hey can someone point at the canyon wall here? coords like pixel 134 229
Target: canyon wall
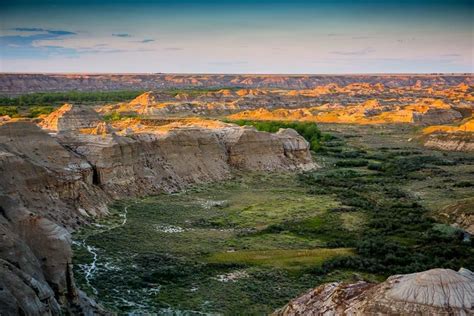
pixel 51 183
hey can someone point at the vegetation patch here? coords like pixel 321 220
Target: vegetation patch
pixel 281 258
pixel 308 130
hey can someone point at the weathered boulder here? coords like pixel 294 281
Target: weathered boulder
pixel 432 292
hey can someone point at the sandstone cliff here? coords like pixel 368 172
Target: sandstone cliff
pixel 432 292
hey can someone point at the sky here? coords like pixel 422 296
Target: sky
pixel 278 36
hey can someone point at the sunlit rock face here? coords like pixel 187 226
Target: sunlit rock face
pixel 70 118
pixel 424 112
pixel 432 292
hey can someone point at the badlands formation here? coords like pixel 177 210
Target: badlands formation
pixel 424 112
pixel 61 175
pixel 11 83
pixel 328 103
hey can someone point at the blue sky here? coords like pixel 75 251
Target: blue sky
pixel 237 36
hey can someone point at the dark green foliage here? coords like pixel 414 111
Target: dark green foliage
pixel 352 163
pixel 464 184
pixel 36 111
pixel 57 98
pixel 115 116
pixel 309 131
pixel 11 111
pixel 399 237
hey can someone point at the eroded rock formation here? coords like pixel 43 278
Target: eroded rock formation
pixel 451 138
pixel 432 292
pixel 70 118
pixel 53 182
pixel 423 112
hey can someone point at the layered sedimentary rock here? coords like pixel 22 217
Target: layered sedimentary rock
pixel 45 191
pixel 149 159
pixel 451 138
pixel 23 83
pixel 423 112
pixel 432 292
pixel 70 118
pixel 53 182
pixel 360 102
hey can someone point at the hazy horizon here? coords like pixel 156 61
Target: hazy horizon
pixel 237 37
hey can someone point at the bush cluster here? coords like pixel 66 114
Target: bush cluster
pixel 308 130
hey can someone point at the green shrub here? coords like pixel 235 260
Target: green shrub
pixel 57 98
pixel 308 130
pixel 36 111
pixel 8 110
pixel 115 116
pixel 352 163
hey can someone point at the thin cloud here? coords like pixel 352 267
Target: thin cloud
pixel 450 55
pixel 37 29
pixel 361 52
pixel 148 40
pixel 60 32
pixel 121 35
pixel 362 37
pixel 28 29
pixel 173 48
pixel 228 63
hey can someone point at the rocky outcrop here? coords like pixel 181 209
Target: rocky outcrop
pixel 461 214
pixel 45 191
pixel 450 138
pixel 71 118
pixel 432 292
pixel 153 159
pixel 451 142
pixel 285 149
pixel 50 183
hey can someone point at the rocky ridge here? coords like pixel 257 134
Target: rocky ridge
pixel 356 101
pixel 424 112
pixel 11 83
